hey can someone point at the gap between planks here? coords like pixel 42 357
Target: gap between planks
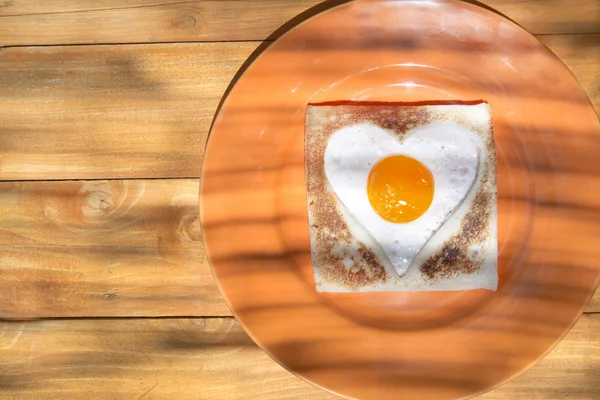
pixel 67 45
pixel 258 41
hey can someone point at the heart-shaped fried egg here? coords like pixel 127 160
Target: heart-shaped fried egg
pixel 402 192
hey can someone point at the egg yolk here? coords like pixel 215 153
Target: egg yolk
pixel 400 188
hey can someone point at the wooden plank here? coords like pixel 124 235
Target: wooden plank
pixel 23 7
pixel 104 248
pixel 39 281
pixel 107 248
pixel 137 111
pixel 215 359
pixel 171 22
pixel 150 359
pixel 148 214
pixel 64 111
pixel 147 21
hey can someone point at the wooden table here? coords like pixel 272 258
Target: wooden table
pixel 105 289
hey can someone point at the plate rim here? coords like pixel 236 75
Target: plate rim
pixel 254 58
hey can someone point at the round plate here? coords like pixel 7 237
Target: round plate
pixel 442 345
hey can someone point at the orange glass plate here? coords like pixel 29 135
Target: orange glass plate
pixel 431 345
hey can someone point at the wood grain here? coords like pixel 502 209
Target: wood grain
pixel 215 359
pixel 144 21
pixel 107 248
pixel 133 248
pixel 39 281
pixel 148 214
pixel 137 111
pixel 104 248
pixel 150 359
pixel 161 98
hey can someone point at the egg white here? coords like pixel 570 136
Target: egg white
pixel 450 152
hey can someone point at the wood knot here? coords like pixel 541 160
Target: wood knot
pixel 189 228
pixel 98 201
pixel 184 22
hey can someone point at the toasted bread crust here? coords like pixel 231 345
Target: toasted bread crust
pixel 341 260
